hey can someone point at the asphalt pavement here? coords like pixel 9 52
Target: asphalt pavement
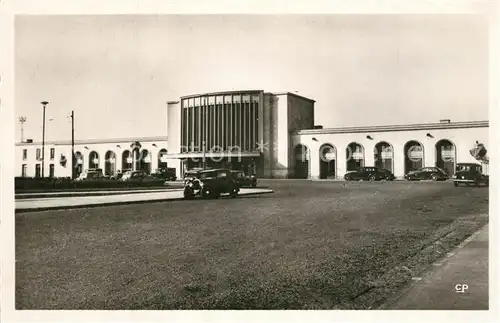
pixel 459 281
pixel 309 245
pixel 52 203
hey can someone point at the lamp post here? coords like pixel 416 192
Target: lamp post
pixel 205 131
pixel 22 120
pixel 135 147
pixel 204 155
pixel 73 169
pixel 44 104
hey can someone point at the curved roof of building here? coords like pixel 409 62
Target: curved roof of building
pixel 221 93
pixel 243 92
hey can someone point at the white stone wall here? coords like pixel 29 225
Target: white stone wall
pixel 463 138
pixel 101 148
pixel 281 138
pixel 287 113
pixel 174 127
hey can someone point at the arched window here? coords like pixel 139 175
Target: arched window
pixel 110 163
pixel 79 163
pixel 126 161
pixel 93 160
pixel 446 156
pixel 355 156
pixel 414 155
pixel 145 161
pixel 327 161
pixel 384 156
pixel 162 158
pixel 301 161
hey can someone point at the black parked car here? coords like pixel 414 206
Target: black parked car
pixel 369 174
pixel 192 173
pixel 243 179
pixel 426 173
pixel 166 173
pixel 139 176
pixel 211 183
pixel 470 174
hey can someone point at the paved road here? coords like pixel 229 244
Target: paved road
pixel 90 192
pixel 438 290
pixel 75 201
pixel 310 245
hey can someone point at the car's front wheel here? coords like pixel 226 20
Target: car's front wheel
pixel 188 194
pixel 372 178
pixel 347 177
pixel 207 192
pixel 434 177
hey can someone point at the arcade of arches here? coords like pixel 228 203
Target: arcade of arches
pixel 139 159
pixel 383 157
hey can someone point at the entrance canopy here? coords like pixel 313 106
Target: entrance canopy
pixel 213 155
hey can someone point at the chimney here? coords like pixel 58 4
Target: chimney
pixel 29 141
pixel 318 127
pixel 444 121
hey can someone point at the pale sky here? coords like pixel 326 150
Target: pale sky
pixel 117 72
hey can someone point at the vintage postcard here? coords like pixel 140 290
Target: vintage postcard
pixel 185 160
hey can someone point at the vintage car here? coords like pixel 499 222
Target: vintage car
pixel 91 174
pixel 166 173
pixel 470 174
pixel 136 176
pixel 427 173
pixel 243 179
pixel 370 174
pixel 192 173
pixel 211 184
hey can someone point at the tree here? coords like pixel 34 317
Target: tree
pixel 135 145
pixel 480 153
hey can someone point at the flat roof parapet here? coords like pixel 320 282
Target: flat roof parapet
pixel 402 127
pixel 94 141
pixel 292 94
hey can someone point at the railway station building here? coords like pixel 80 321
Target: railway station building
pixel 110 155
pixel 272 135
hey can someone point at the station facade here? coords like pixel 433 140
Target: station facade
pixel 271 135
pixel 110 155
pixel 330 153
pixel 238 130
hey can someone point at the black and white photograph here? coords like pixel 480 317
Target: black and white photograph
pixel 241 161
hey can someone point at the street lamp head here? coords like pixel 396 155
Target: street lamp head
pixel 44 103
